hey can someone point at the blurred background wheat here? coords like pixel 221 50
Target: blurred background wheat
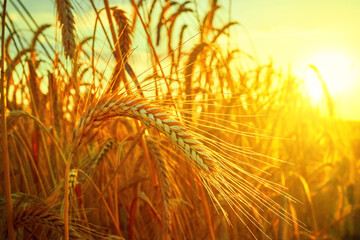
pixel 146 120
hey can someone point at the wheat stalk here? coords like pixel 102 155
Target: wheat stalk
pixel 37 34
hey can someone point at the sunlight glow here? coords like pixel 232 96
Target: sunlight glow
pixel 336 70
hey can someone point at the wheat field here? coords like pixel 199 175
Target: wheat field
pixel 125 123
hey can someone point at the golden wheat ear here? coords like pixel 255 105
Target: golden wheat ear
pixel 124 31
pixel 123 105
pixel 67 24
pixel 31 211
pixel 163 175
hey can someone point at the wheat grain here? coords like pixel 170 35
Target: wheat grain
pixel 73 181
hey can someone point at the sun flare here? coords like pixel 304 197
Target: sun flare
pixel 335 69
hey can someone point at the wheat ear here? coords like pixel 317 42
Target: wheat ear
pixel 124 31
pixel 31 211
pixel 66 19
pixel 160 166
pixel 90 164
pixel 123 105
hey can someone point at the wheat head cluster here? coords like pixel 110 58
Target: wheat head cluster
pixel 101 145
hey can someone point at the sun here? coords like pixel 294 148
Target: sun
pixel 335 68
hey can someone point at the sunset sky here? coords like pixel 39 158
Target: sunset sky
pixel 293 34
pixel 298 33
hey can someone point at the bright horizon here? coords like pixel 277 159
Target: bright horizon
pixel 321 33
pixel 293 34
